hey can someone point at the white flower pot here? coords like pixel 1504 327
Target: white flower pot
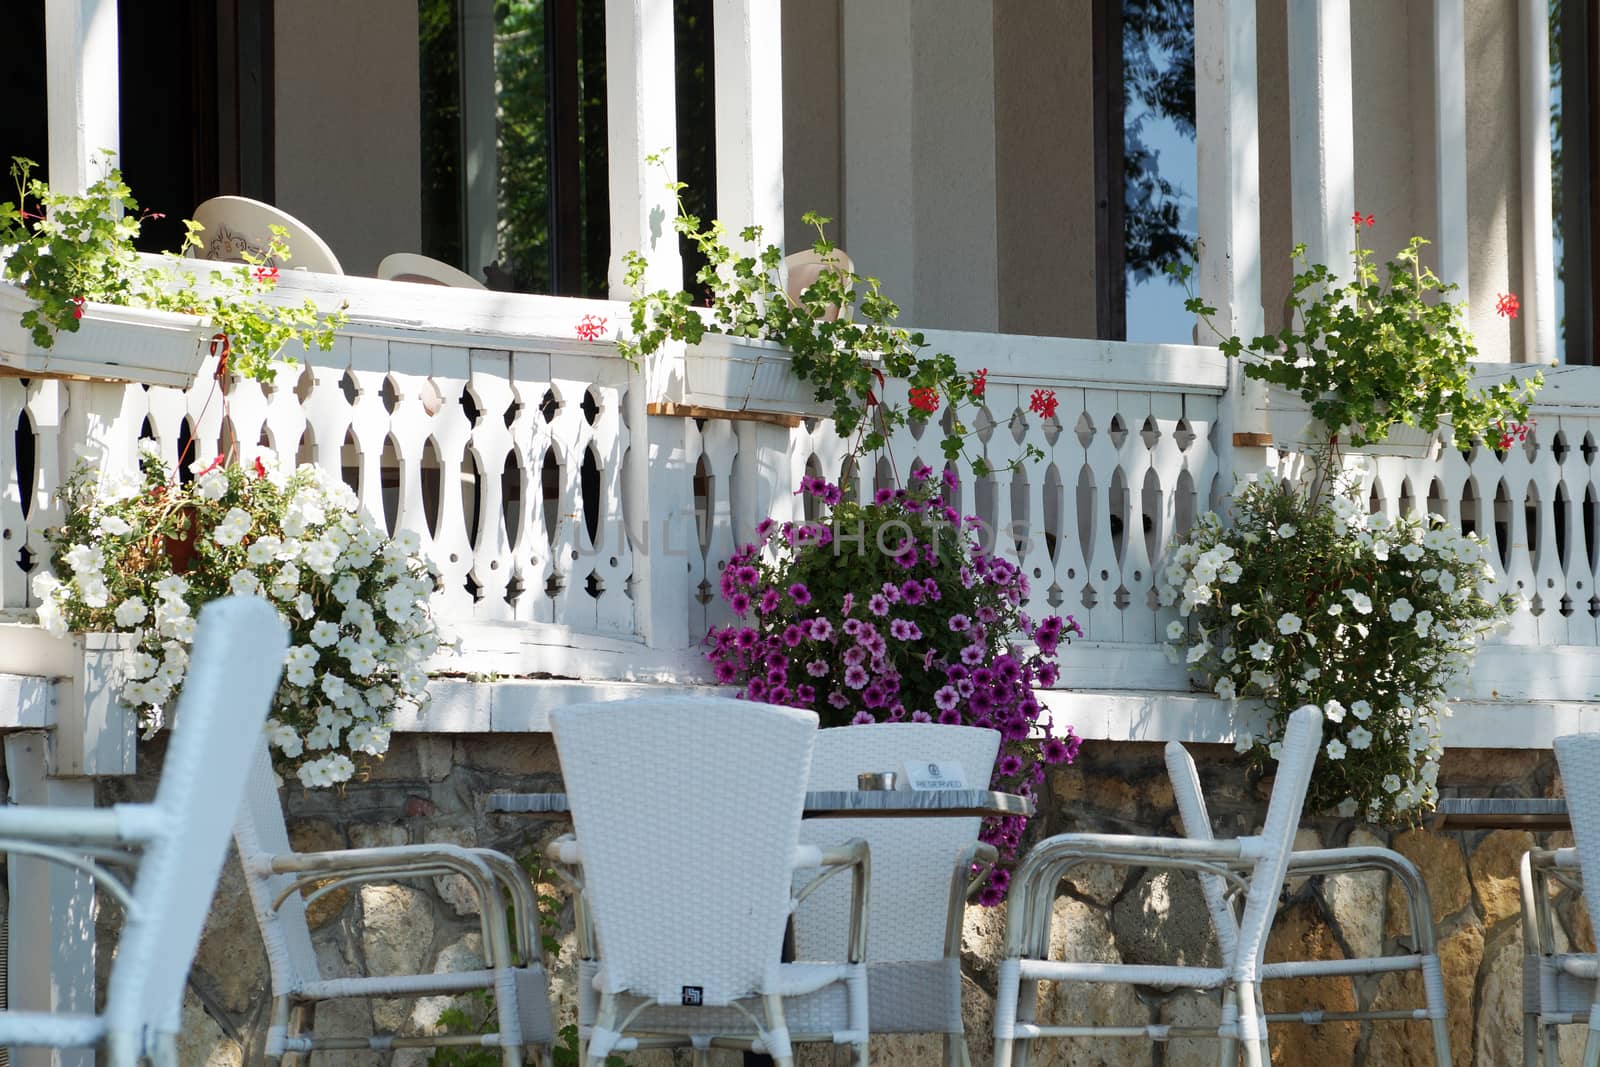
pixel 112 343
pixel 1294 430
pixel 735 374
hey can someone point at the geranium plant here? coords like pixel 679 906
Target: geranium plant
pixel 65 250
pixel 842 332
pixel 1301 599
pixel 140 555
pixel 893 611
pixel 1383 347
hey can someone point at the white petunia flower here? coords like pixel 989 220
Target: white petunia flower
pixel 115 526
pixel 1261 650
pixel 1359 600
pixel 1401 610
pixel 1175 629
pixel 1361 710
pixel 1335 749
pixel 131 612
pixel 1333 711
pixel 1287 530
pixel 1360 737
pixel 1391 783
pixel 1288 623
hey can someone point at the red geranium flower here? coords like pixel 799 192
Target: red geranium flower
pixel 265 274
pixel 77 306
pixel 591 328
pixel 1043 402
pixel 980 382
pixel 925 399
pixel 1507 305
pixel 261 468
pixel 1358 219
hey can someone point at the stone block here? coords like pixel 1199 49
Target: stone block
pixel 455 889
pixel 1100 883
pixel 1356 902
pixel 1488 766
pixel 345 1018
pixel 1578 922
pixel 201 1042
pixel 983 932
pixel 1305 839
pixel 1162 919
pixel 231 963
pixel 1302 932
pixel 1496 874
pixel 1444 871
pixel 1401 1044
pixel 396 938
pixel 977 1015
pixel 517 755
pixel 378 835
pixel 1080 932
pixel 1191 1007
pixel 463 955
pixel 1498 1034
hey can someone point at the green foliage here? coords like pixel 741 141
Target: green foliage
pixel 845 358
pixel 1307 599
pixel 65 250
pixel 1385 347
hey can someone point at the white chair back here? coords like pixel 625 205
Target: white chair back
pixel 687 817
pixel 233 676
pixel 259 834
pixel 232 225
pixel 412 267
pixel 912 859
pixel 1579 758
pixel 1302 740
pixel 801 269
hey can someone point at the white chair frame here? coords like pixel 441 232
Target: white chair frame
pixel 276 877
pixel 176 843
pixel 1558 988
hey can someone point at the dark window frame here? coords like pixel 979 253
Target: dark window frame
pixel 1580 134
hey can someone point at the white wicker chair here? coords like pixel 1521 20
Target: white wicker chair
pixel 1425 960
pixel 180 838
pixel 921 875
pixel 276 875
pixel 1579 757
pixel 686 818
pixel 1558 988
pixel 1257 862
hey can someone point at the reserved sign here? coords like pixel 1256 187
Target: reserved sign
pixel 935 774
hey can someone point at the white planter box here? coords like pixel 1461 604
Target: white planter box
pixel 111 343
pixel 1294 430
pixel 734 374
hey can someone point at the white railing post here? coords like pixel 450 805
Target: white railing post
pixel 1230 212
pixel 1538 252
pixel 1450 142
pixel 80 89
pixel 749 78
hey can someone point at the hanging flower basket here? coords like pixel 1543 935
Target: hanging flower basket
pixel 112 343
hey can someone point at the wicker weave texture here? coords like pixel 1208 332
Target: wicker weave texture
pixel 259 834
pixel 1579 758
pixel 687 813
pixel 913 859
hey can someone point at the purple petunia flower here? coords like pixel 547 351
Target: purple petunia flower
pixel 778 694
pixel 1048 674
pixel 849 603
pixel 726 673
pixel 986 614
pixel 740 603
pixel 1009 764
pixel 852 626
pixel 838 699
pixel 1056 750
pixel 950 717
pixel 747 638
pixel 863 718
pixel 805 694
pixel 817 668
pixel 800 594
pixel 873 696
pixel 981 702
pixel 756 689
pixel 821 629
pixel 769 601
pixel 891 591
pixel 973 654
pixel 905 630
pixel 946 697
pixel 879 604
pixel 921 716
pixel 855 676
pixel 911 592
pixel 792 635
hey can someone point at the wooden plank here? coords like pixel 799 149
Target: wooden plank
pixel 694 411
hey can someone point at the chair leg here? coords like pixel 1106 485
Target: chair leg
pixel 1252 1031
pixel 1228 1052
pixel 1441 1042
pixel 122 1049
pixel 1591 1049
pixel 164 1051
pixel 778 1025
pixel 955 1051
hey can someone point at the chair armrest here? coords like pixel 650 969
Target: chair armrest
pixel 70 826
pixel 1033 884
pixel 854 856
pixel 352 866
pixel 963 883
pixel 564 853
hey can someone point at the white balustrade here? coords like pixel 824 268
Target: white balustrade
pixel 507 457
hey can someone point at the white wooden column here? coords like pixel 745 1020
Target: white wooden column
pixel 1538 252
pixel 81 89
pixel 1229 194
pixel 641 120
pixel 749 79
pixel 1450 142
pixel 480 139
pixel 1322 131
pixel 51 915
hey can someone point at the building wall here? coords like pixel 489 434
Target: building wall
pixel 426 790
pixel 349 156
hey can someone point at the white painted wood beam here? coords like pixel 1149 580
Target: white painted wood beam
pixel 480 135
pixel 51 909
pixel 1450 142
pixel 1322 130
pixel 749 77
pixel 1538 250
pixel 1229 193
pixel 81 89
pixel 641 118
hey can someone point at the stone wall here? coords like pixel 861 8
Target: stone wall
pixel 427 790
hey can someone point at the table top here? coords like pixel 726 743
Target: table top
pixel 1501 813
pixel 826 803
